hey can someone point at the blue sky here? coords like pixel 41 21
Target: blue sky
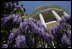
pixel 31 5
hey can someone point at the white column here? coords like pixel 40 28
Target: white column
pixel 50 22
pixel 42 20
pixel 65 13
pixel 56 15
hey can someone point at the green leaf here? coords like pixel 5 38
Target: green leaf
pixel 4 31
pixel 15 28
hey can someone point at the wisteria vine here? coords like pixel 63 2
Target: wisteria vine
pixel 22 31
